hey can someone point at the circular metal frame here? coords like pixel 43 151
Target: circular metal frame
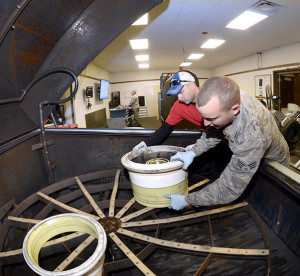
pixel 56 225
pixel 99 196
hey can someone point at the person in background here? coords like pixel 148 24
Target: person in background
pixel 252 135
pixel 186 85
pixel 134 104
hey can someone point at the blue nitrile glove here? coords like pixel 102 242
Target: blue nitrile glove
pixel 185 157
pixel 177 201
pixel 189 147
pixel 140 145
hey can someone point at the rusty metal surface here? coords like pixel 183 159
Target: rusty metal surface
pixel 6 9
pixel 14 122
pixel 277 206
pixel 46 35
pixel 92 31
pixel 97 150
pixel 22 171
pixel 50 34
pixel 291 185
pixel 37 30
pixel 9 24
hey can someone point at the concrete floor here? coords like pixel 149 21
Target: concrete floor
pixel 150 123
pixel 147 123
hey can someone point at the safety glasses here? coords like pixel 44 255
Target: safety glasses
pixel 176 82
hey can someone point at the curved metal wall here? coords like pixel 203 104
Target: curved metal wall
pixel 35 36
pixel 41 35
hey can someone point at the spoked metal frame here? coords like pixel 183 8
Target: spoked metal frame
pixel 99 195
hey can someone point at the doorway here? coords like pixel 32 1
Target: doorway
pixel 287 87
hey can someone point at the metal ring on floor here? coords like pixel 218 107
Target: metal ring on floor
pixel 65 223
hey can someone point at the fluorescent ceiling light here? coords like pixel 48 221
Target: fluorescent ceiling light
pixel 246 20
pixel 212 43
pixel 185 64
pixel 142 20
pixel 142 57
pixel 195 56
pixel 144 65
pixel 139 44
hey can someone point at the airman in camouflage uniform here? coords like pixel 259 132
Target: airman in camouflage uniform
pixel 252 135
pixel 134 104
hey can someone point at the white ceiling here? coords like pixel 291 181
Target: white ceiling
pixel 175 25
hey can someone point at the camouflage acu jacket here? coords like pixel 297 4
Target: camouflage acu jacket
pixel 134 102
pixel 253 135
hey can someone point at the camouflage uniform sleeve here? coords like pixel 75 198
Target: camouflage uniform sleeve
pixel 131 102
pixel 209 139
pixel 234 179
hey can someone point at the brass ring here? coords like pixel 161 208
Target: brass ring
pixel 157 161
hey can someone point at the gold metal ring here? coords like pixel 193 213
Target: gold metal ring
pixel 157 161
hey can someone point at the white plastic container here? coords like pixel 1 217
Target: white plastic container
pixel 152 175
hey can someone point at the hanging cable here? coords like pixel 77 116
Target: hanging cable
pixel 52 102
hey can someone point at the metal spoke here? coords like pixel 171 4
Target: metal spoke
pixel 135 260
pixel 195 247
pixel 66 207
pixel 119 222
pixel 11 253
pixel 47 244
pixel 198 184
pixel 204 265
pixel 75 254
pixel 136 214
pixel 125 208
pixel 25 220
pixel 90 199
pixel 111 211
pixel 182 218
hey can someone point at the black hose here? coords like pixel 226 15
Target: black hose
pixel 43 135
pixel 50 72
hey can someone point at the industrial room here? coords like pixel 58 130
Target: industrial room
pixel 39 160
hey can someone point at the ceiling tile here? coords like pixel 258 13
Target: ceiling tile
pixel 175 25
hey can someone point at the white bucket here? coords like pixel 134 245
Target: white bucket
pixel 151 181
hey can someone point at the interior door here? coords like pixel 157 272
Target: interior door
pixel 286 90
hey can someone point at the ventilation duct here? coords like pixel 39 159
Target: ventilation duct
pixel 266 8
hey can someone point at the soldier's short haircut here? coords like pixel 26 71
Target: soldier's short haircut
pixel 225 89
